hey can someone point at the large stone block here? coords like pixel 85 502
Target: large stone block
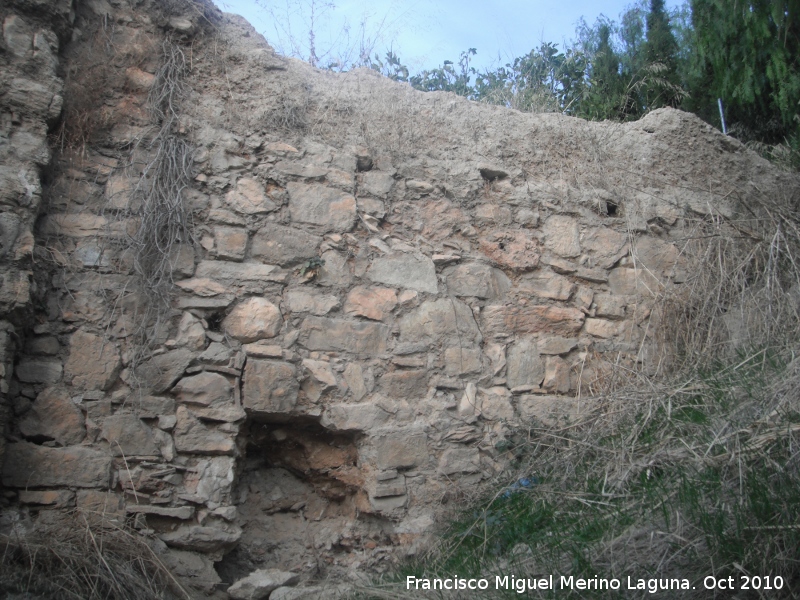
pixel 401 449
pixel 191 435
pixel 162 371
pixel 54 416
pixel 372 303
pixel 522 319
pixel 270 387
pixel 548 285
pixel 561 236
pixel 605 246
pixel 200 538
pixel 437 319
pixel 299 301
pixel 318 205
pixel 513 249
pixel 406 270
pixel 94 362
pixel 128 436
pixel 39 370
pixel 409 385
pixel 253 319
pixel 457 461
pixel 284 246
pixel 478 280
pixel 525 366
pixel 260 584
pixel 354 417
pixel 319 333
pixel 29 465
pixel 231 272
pixel 249 198
pixel 230 242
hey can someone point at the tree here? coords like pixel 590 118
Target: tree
pixel 748 54
pixel 604 96
pixel 659 74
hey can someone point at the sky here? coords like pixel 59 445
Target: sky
pixel 423 33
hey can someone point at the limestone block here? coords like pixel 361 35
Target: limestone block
pixel 561 236
pixel 260 584
pixel 226 217
pixel 391 487
pixel 409 385
pixel 204 389
pixel 497 356
pixel 602 328
pixel 372 206
pixel 298 301
pixel 376 183
pixel 38 100
pixel 401 449
pixel 249 198
pixel 658 258
pixel 406 270
pixel 527 217
pixel 192 436
pixel 511 248
pixel 354 377
pixel 320 333
pixel 372 303
pixel 253 319
pixel 457 461
pixel 212 480
pixel 441 318
pixel 230 242
pixel 270 387
pixel 29 465
pixel 335 270
pixel 551 410
pixel 128 436
pixel 162 371
pixel 232 272
pixel 460 361
pixel 54 416
pixel 94 362
pixel 202 286
pixel 495 404
pixel 609 305
pixel 547 285
pixel 39 370
pixel 478 280
pixel 318 205
pixel 354 417
pixel 554 344
pixel 284 246
pixel 201 538
pixel 18 36
pixel 171 512
pixel 556 375
pixel 301 170
pixel 623 282
pixel 493 213
pixel 522 319
pixel 321 378
pixel 47 345
pixel 181 260
pixel 74 225
pixel 525 366
pixel 191 333
pixel 605 246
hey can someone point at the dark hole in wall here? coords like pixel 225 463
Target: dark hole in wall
pixel 363 163
pixel 611 209
pixel 493 174
pixel 215 321
pixel 296 500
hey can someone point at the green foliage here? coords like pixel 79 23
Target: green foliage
pixel 748 54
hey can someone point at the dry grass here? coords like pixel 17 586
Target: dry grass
pixel 77 557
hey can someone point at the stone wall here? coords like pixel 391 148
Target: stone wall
pixel 383 288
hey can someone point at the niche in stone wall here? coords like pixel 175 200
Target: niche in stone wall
pixel 300 501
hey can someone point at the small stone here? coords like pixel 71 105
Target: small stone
pixel 556 375
pixel 457 461
pixel 52 498
pixel 128 436
pixel 372 303
pixel 319 333
pixel 411 271
pixel 495 404
pixel 204 389
pixel 605 246
pixel 236 273
pixel 548 285
pixel 263 350
pixel 230 242
pixel 299 301
pixel 253 319
pixel 321 380
pixel 401 449
pixel 191 435
pixel 269 387
pixel 406 384
pixel 203 539
pixel 260 584
pixel 477 280
pixel 54 416
pixel 177 512
pixel 285 246
pixel 525 366
pixel 354 377
pixel 609 305
pixel 319 205
pixel 602 328
pixel 249 198
pixel 93 363
pixel 191 332
pixel 32 370
pixel 202 286
pixel 460 361
pixel 28 465
pixel 562 236
pixel 163 370
pixel 354 417
pixel 556 345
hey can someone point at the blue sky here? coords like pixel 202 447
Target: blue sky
pixel 424 32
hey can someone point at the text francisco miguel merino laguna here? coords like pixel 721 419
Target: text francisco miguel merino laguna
pixel 523 584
